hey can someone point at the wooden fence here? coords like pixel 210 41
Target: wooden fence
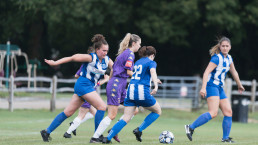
pixel 172 88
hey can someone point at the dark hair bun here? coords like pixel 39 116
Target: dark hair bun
pixel 97 38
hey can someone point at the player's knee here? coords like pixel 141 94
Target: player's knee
pixel 112 116
pixel 213 114
pixel 102 107
pixel 228 113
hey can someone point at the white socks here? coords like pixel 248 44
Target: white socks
pixel 76 122
pixel 102 127
pixel 74 125
pixel 87 116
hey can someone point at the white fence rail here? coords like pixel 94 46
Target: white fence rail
pixel 174 92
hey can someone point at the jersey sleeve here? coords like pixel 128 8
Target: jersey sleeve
pixel 153 64
pixel 129 63
pixel 92 56
pixel 79 70
pixel 215 59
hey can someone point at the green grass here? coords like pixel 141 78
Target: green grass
pixel 23 126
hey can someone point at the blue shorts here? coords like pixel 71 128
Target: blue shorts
pixel 144 103
pixel 83 86
pixel 215 91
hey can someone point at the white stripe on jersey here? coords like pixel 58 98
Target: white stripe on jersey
pixel 141 92
pixel 93 71
pixel 218 70
pixel 131 92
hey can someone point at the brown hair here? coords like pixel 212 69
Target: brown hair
pixel 127 42
pixel 146 51
pixel 98 40
pixel 215 49
pixel 90 50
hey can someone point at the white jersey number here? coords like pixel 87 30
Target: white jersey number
pixel 137 71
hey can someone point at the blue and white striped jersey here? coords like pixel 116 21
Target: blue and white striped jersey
pixel 95 70
pixel 217 76
pixel 139 87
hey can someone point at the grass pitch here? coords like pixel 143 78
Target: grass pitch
pixel 22 127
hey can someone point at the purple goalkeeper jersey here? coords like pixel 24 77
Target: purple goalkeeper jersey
pixel 123 62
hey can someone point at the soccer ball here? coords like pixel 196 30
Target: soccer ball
pixel 166 137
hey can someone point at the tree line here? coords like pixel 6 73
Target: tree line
pixel 182 31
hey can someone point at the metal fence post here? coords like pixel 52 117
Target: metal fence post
pixel 253 96
pixel 53 99
pixel 11 93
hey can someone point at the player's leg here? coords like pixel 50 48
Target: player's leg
pixel 74 104
pixel 83 110
pixel 153 116
pixel 213 106
pixel 128 113
pixel 90 114
pixel 155 113
pixel 95 100
pixel 227 120
pixel 112 112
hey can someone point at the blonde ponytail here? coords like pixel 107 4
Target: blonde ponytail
pixel 215 50
pixel 124 44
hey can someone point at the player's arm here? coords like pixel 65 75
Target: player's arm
pixel 110 66
pixel 154 79
pixel 103 81
pixel 129 72
pixel 236 78
pixel 211 66
pixel 75 57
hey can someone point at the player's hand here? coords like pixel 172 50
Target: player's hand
pixel 241 89
pixel 51 62
pixel 159 81
pixel 203 92
pixel 154 91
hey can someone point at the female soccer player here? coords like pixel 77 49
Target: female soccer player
pixel 212 88
pixel 116 87
pixel 139 94
pixel 94 67
pixel 86 111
